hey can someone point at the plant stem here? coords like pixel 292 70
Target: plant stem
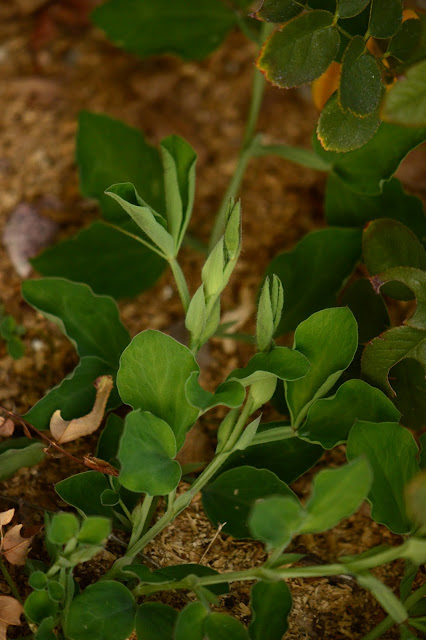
pixel 140 514
pixel 9 580
pixel 389 622
pixel 180 283
pixel 246 151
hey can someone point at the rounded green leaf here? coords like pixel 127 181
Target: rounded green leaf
pixel 301 51
pixel 330 420
pixel 38 606
pixel 38 580
pixel 271 604
pixel 62 528
pixel 219 626
pixel 405 103
pixel 351 8
pixel 405 44
pixel 360 87
pixel 279 11
pixel 104 611
pixel 94 530
pixel 110 498
pixel 231 496
pixel 147 449
pixel 84 491
pixel 391 452
pixel 340 130
pixel 336 494
pixel 280 362
pixel 329 340
pixel 189 625
pixel 155 621
pixel 152 377
pixel 275 520
pixel 385 18
pixel 56 591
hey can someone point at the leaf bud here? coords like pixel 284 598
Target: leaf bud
pixel 212 273
pixel 233 229
pixel 269 311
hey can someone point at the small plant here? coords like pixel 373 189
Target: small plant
pixel 11 332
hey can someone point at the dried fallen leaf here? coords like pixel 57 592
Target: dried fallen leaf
pixel 6 517
pixel 68 430
pixel 324 86
pixel 10 611
pixel 7 427
pixel 15 547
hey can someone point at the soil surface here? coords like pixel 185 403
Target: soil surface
pixel 52 65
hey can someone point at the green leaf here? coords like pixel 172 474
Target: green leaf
pixel 405 103
pixel 385 18
pixel 106 259
pixel 406 41
pixel 94 530
pixel 110 438
pixel 104 611
pixel 152 376
pixel 328 339
pixel 181 571
pixel 75 395
pixel 330 420
pixel 155 621
pixel 109 151
pixel 230 497
pixel 187 28
pixel 415 497
pixel 391 452
pixel 271 604
pixel 331 252
pixel 153 226
pixel 179 160
pixel 39 606
pixel 147 449
pixel 282 363
pixel 387 243
pixel 279 11
pixel 336 494
pixel 387 350
pixel 286 458
pixel 383 595
pixel 301 51
pixel 350 8
pixel 62 528
pixel 45 630
pixel 360 87
pixel 189 625
pixel 366 169
pixel 56 591
pixel 368 308
pixel 83 491
pixel 228 394
pixel 275 520
pixel 340 130
pixel 415 280
pixel 219 626
pixel 409 384
pixel 12 459
pixel 38 580
pixel 90 321
pixel 15 347
pixel 347 208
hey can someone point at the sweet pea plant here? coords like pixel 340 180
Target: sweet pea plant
pixel 328 387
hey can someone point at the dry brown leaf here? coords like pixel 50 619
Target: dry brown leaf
pixel 15 547
pixel 10 611
pixel 68 430
pixel 6 517
pixel 324 86
pixel 7 427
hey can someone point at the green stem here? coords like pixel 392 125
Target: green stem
pixel 180 283
pixel 9 580
pixel 273 435
pixel 297 155
pixel 134 237
pixel 140 514
pixel 246 152
pixel 389 622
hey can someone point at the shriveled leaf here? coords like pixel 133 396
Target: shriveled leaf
pixel 152 377
pixel 391 452
pixel 336 494
pixel 7 427
pixel 14 546
pixel 333 253
pixel 269 621
pixel 69 430
pixel 351 8
pixel 405 103
pixel 382 353
pixel 330 420
pixel 229 498
pixel 328 339
pixel 106 259
pixel 385 18
pixel 415 280
pixel 15 457
pixel 10 612
pixel 360 87
pixel 301 51
pixel 366 169
pixel 278 11
pixel 347 208
pixel 6 517
pixel 324 86
pixel 147 449
pixel 340 130
pixel 187 28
